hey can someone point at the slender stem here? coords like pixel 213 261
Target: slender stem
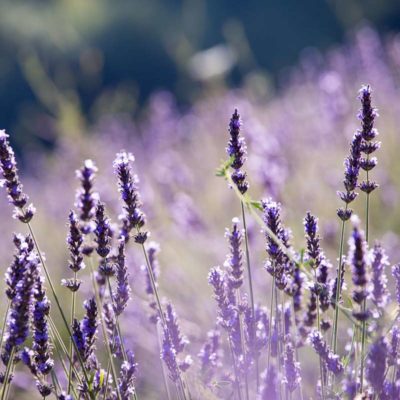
pixel 321 368
pixel 364 304
pixel 246 381
pixel 237 379
pixel 91 394
pixel 162 365
pixel 7 374
pixel 270 321
pixel 3 328
pixel 71 346
pixel 246 241
pixel 338 286
pixel 104 329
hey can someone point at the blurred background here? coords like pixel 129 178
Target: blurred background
pixel 65 63
pixel 84 79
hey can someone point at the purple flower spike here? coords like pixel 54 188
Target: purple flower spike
pixel 11 181
pixel 396 275
pixel 234 260
pixel 376 365
pixel 380 293
pixel 18 320
pixel 86 198
pixel 237 149
pixel 292 367
pixel 357 259
pixel 331 360
pixel 133 217
pixel 41 346
pixel 123 291
pixel 269 389
pixel 126 381
pixel 168 355
pixel 102 232
pixel 210 355
pixel 178 341
pixel 75 241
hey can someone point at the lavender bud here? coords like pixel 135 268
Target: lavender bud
pixel 357 258
pixel 237 149
pixel 41 346
pixel 72 284
pixel 102 232
pixel 367 114
pixel 234 260
pixel 379 293
pixel 178 341
pixel 330 360
pixel 122 293
pixel 292 368
pixel 376 365
pixel 86 199
pixel 44 389
pixel 75 241
pixel 168 355
pixel 209 355
pixel 11 180
pixel 126 381
pixel 127 184
pixel 89 327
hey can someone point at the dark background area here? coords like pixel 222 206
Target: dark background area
pixel 100 56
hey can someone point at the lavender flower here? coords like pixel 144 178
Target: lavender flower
pixel 122 293
pixel 133 217
pixel 314 251
pixel 269 389
pixel 89 326
pixel 396 275
pixel 178 341
pixel 14 273
pixel 367 116
pixel 127 377
pixel 43 388
pixel 234 260
pixel 41 346
pixel 102 232
pixel 209 355
pixel 237 149
pixel 75 241
pixel 357 258
pixel 86 198
pixel 18 320
pixel 292 367
pixel 11 181
pixel 153 249
pixel 379 293
pixel 330 360
pixel 352 169
pixel 168 355
pixel 111 326
pixel 394 346
pixel 376 365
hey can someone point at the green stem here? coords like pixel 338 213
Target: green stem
pixel 3 328
pixel 71 346
pixel 91 394
pixel 246 241
pixel 338 286
pixel 270 321
pixel 7 374
pixel 104 330
pixel 321 368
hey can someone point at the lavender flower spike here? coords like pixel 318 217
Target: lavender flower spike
pixel 41 346
pixel 123 292
pixel 178 341
pixel 102 232
pixel 18 321
pixel 133 216
pixel 86 198
pixel 376 365
pixel 396 275
pixel 237 149
pixel 168 355
pixel 330 359
pixel 292 367
pixel 11 181
pixel 380 293
pixel 127 377
pixel 357 259
pixel 234 260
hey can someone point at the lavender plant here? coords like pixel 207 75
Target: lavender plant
pixel 246 349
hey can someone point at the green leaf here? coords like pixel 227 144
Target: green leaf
pixel 223 168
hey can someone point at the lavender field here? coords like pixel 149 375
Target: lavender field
pixel 243 247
